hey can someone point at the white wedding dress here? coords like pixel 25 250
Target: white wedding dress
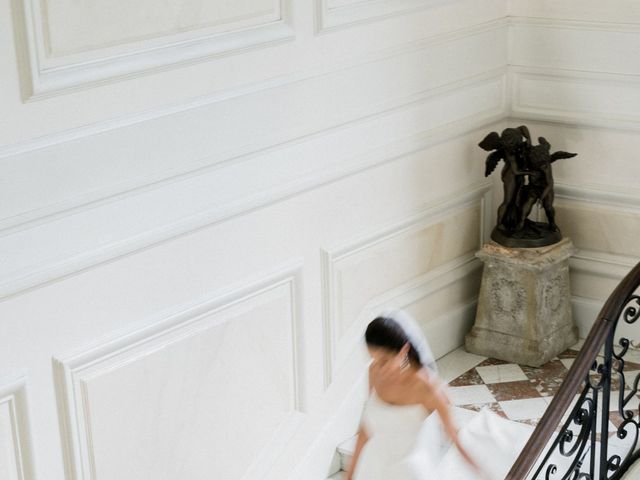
pixel 406 443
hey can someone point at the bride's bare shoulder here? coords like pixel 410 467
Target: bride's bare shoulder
pixel 430 386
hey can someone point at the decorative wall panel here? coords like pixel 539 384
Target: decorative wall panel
pixel 337 13
pixel 428 251
pixel 576 98
pixel 41 252
pixel 179 399
pixel 16 455
pixel 71 44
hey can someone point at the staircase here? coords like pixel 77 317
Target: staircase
pixel 589 430
pixel 584 441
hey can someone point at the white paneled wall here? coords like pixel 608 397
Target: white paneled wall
pixel 575 79
pixel 16 451
pixel 202 204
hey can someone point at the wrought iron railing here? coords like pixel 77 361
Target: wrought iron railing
pixel 579 450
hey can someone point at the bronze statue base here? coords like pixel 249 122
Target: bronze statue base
pixel 534 234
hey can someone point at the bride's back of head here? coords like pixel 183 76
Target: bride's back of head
pixel 392 329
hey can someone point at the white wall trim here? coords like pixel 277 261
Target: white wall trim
pixel 71 371
pixel 572 24
pixel 533 76
pixel 585 311
pixel 596 263
pixel 409 292
pixel 13 394
pixel 46 78
pixel 141 185
pixel 601 264
pixel 166 197
pixel 279 81
pixel 330 18
pixel 605 196
pixel 573 113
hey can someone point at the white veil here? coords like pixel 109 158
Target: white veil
pixel 415 335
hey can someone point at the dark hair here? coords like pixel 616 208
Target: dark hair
pixel 387 333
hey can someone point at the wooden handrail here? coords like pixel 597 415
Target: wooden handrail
pixel 577 373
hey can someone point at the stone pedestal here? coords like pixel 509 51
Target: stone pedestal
pixel 524 307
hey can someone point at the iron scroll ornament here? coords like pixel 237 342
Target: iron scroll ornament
pixel 579 440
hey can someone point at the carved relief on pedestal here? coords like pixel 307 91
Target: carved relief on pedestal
pixel 555 293
pixel 507 297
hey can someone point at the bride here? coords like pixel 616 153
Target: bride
pixel 393 442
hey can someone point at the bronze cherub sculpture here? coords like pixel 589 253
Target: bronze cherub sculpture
pixel 527 179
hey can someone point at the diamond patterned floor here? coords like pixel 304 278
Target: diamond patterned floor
pixel 522 393
pixel 518 393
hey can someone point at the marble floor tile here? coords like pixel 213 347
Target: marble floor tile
pixel 547 378
pixel 632 402
pixel 628 364
pixel 492 361
pixel 522 393
pixel 633 355
pixel 611 426
pixel 501 373
pixel 456 363
pixel 617 419
pixel 578 345
pixel 528 408
pixel 513 390
pixel 470 377
pixel 494 407
pixel 567 412
pixel 630 377
pixel 567 362
pixel 470 394
pixel 570 353
pixel 530 421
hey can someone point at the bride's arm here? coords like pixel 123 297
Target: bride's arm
pixel 443 409
pixel 362 435
pixel 362 439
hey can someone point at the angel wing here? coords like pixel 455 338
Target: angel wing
pixel 492 161
pixel 490 142
pixel 560 155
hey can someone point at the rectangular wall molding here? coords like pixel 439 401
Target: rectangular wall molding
pixel 585 312
pixel 16 450
pixel 332 14
pixel 50 261
pixel 216 195
pixel 143 357
pixel 569 97
pixel 342 329
pixel 601 196
pixel 199 148
pixel 603 220
pixel 489 29
pixel 563 71
pixel 46 74
pixel 598 264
